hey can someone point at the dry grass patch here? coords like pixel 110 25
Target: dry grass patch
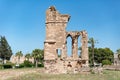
pixel 10 73
pixel 107 75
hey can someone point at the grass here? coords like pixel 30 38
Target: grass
pixel 107 75
pixel 11 73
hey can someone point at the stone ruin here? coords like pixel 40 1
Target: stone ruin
pixel 14 59
pixel 56 41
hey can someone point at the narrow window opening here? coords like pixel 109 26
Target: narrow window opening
pixel 79 47
pixel 69 46
pixel 59 51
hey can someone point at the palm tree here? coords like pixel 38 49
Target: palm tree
pixel 92 42
pixel 28 56
pixel 37 54
pixel 19 54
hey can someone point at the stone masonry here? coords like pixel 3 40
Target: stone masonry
pixel 14 59
pixel 56 40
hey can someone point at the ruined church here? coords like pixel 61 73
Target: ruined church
pixel 56 42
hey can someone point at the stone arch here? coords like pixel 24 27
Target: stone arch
pixel 68 35
pixel 74 36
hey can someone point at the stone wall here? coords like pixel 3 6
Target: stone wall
pixel 14 59
pixel 56 40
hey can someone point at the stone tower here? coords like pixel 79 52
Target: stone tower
pixel 55 43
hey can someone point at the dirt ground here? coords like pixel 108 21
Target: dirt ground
pixel 7 73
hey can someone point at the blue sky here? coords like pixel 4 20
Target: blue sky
pixel 22 22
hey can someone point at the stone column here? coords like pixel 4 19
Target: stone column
pixel 84 41
pixel 75 47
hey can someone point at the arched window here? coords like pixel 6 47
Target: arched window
pixel 69 45
pixel 79 47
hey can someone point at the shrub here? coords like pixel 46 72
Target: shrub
pixel 21 65
pixel 106 62
pixel 25 64
pixel 1 66
pixel 8 65
pixel 28 63
pixel 40 65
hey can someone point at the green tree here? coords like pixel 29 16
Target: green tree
pixel 101 54
pixel 106 62
pixel 28 56
pixel 37 54
pixel 19 54
pixel 92 42
pixel 5 49
pixel 108 55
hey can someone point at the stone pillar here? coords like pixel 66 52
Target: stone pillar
pixel 75 47
pixel 84 41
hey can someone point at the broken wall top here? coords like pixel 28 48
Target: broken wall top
pixel 52 15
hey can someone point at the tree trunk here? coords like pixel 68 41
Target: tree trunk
pixel 3 60
pixel 18 60
pixel 93 54
pixel 36 64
